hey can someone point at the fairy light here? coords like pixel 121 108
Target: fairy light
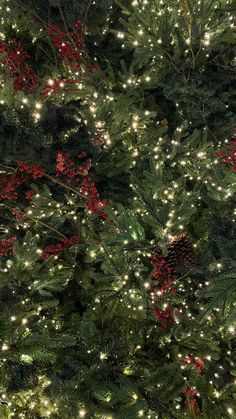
pixel 92 254
pixel 201 155
pixel 5 347
pixel 231 329
pixel 135 397
pixel 103 356
pixel 37 116
pixel 169 195
pixel 230 410
pixel 207 38
pixel 121 35
pixel 38 105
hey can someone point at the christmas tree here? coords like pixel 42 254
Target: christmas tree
pixel 117 214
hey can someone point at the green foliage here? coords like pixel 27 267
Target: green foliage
pixel 185 52
pixel 20 138
pixel 79 331
pixel 221 293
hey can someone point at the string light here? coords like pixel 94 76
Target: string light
pixel 103 356
pixel 135 124
pixel 230 411
pixel 5 347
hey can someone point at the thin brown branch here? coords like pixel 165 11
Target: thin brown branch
pixel 87 11
pixel 36 220
pixel 54 180
pixel 205 121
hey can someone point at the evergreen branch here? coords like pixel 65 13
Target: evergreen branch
pixel 163 51
pixel 45 24
pixel 32 11
pixel 34 220
pixel 157 404
pixel 220 292
pixel 75 191
pixel 110 259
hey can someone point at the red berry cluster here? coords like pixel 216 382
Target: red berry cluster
pixel 198 365
pixel 8 184
pixel 69 44
pixel 194 361
pixel 192 401
pixel 92 201
pixel 66 166
pixel 229 158
pixel 84 168
pixel 6 246
pixel 14 59
pixel 164 317
pixel 60 247
pixel 161 284
pixel 98 139
pixel 54 86
pixel 162 279
pixel 29 195
pixel 35 170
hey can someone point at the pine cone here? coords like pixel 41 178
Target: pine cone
pixel 181 252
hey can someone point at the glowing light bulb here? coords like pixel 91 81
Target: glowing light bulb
pixel 5 347
pixel 37 115
pixel 38 105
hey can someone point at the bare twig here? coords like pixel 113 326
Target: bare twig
pixel 36 220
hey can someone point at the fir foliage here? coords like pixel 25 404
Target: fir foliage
pixel 89 327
